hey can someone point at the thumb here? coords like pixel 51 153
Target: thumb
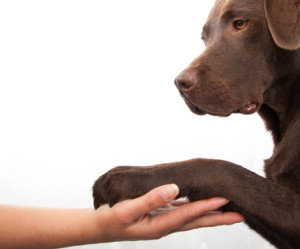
pixel 156 198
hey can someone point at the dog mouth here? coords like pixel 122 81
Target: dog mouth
pixel 248 108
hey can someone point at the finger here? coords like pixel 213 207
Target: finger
pixel 180 216
pixel 154 199
pixel 211 220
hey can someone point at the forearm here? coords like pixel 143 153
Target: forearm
pixel 24 227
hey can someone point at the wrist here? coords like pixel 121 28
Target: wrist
pixel 94 226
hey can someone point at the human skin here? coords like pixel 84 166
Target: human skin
pixel 30 227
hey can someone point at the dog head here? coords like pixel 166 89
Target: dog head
pixel 245 42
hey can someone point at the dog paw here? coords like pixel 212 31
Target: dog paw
pixel 119 184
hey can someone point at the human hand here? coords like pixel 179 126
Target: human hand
pixel 155 215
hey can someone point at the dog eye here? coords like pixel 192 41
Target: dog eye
pixel 204 40
pixel 240 24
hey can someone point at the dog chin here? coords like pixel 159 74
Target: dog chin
pixel 248 108
pixel 201 112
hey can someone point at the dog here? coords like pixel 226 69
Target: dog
pixel 251 64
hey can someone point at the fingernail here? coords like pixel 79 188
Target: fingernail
pixel 169 192
pixel 220 201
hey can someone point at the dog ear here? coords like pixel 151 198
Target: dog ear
pixel 283 17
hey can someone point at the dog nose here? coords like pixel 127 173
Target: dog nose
pixel 186 80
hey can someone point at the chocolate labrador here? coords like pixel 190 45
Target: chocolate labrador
pixel 251 64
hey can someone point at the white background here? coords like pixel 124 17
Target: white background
pixel 88 85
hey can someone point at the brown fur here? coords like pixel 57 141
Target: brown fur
pixel 254 69
pixel 284 22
